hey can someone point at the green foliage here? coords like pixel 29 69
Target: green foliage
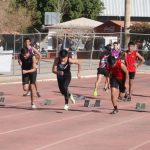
pixel 73 10
pixel 69 9
pixel 143 29
pixel 92 8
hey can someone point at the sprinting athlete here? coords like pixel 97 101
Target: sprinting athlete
pixel 28 66
pixel 61 68
pixel 118 78
pixel 32 50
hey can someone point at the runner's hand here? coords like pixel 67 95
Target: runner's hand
pixel 60 73
pixel 24 71
pixel 78 75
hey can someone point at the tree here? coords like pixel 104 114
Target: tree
pixel 14 19
pixel 68 9
pixel 74 10
pixel 144 30
pixel 92 8
pixel 58 6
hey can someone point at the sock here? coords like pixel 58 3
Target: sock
pixel 66 101
pixel 115 107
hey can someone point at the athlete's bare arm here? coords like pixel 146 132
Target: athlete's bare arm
pixel 124 68
pixel 54 68
pixel 142 60
pixel 76 61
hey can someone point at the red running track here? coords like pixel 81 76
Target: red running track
pixel 52 128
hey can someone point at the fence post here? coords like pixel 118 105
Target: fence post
pixel 40 52
pixel 14 54
pixel 57 46
pixel 92 51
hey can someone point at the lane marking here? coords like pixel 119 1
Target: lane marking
pixel 89 132
pixel 46 80
pixel 140 145
pixel 43 124
pixel 7 116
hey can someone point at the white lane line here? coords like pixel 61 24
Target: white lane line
pixel 43 124
pixel 140 145
pixel 89 132
pixel 86 76
pixel 14 115
pixel 46 80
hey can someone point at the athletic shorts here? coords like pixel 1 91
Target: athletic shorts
pixel 115 83
pixel 131 75
pixel 103 71
pixel 29 78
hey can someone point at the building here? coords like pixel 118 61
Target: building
pixel 115 10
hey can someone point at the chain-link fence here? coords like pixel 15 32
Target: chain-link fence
pixel 85 46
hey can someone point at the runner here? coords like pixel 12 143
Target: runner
pixel 32 50
pixel 61 68
pixel 131 57
pixel 118 78
pixel 28 65
pixel 102 70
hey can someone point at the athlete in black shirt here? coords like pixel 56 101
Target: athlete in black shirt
pixel 28 65
pixel 61 68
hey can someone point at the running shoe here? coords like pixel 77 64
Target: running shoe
pixel 121 98
pixel 95 92
pixel 66 107
pixel 71 98
pixel 115 111
pixel 38 94
pixel 27 94
pixel 129 98
pixel 105 89
pixel 33 106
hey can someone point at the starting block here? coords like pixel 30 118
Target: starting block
pixel 47 102
pixel 97 103
pixel 140 106
pixel 88 103
pixel 79 97
pixel 2 99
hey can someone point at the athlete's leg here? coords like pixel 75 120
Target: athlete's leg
pixel 32 88
pixel 131 80
pixel 114 86
pixel 98 80
pixel 25 83
pixel 63 84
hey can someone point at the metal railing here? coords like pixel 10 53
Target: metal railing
pixel 86 45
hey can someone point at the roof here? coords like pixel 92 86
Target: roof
pixel 139 8
pixel 84 23
pixel 121 23
pixel 112 26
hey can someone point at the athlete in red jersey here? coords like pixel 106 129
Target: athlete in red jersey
pixel 131 57
pixel 118 78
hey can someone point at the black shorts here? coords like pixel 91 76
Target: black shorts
pixel 114 83
pixel 131 75
pixel 103 71
pixel 29 78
